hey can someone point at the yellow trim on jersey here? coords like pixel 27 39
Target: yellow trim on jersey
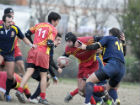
pixel 1 26
pixel 13 45
pixel 17 86
pixel 101 57
pixel 93 56
pixel 15 28
pixel 75 52
pixel 48 50
pixel 104 49
pixel 0 50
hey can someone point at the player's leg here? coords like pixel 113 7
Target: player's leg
pixel 1 59
pixel 19 60
pixel 75 91
pixel 37 92
pixel 20 65
pixel 43 84
pixel 9 65
pixel 20 90
pixel 81 88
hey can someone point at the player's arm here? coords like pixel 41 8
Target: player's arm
pixel 55 79
pixel 122 38
pixel 28 35
pixel 124 48
pixel 51 71
pixel 97 38
pixel 95 45
pixel 25 40
pixel 65 54
pixel 52 63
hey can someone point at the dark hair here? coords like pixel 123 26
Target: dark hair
pixel 115 32
pixel 4 17
pixel 8 10
pixel 58 35
pixel 53 16
pixel 70 37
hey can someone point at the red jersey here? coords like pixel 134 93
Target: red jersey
pixel 88 63
pixel 85 57
pixel 43 32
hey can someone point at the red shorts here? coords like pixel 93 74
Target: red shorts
pixel 17 52
pixel 85 72
pixel 38 58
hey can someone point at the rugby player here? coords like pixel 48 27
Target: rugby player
pixel 39 58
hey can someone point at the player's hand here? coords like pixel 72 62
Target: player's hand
pixel 61 66
pixel 122 37
pixel 99 50
pixel 60 70
pixel 55 80
pixel 83 46
pixel 78 43
pixel 33 46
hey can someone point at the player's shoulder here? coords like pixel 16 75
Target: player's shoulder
pixel 67 49
pixel 111 38
pixel 86 39
pixel 16 28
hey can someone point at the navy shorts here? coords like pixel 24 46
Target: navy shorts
pixel 9 57
pixel 18 58
pixel 114 70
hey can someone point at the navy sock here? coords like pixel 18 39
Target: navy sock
pixel 88 92
pixel 97 97
pixel 113 94
pixel 36 93
pixel 9 84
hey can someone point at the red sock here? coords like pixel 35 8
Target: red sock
pixel 26 91
pixel 42 95
pixel 20 89
pixel 98 88
pixel 73 93
pixel 92 101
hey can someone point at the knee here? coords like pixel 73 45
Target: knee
pixel 10 75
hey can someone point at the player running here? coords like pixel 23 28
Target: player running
pixel 39 58
pixel 36 74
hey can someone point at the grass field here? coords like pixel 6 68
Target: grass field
pixel 129 93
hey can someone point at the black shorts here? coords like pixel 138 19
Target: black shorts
pixel 31 65
pixel 17 58
pixel 36 75
pixel 9 57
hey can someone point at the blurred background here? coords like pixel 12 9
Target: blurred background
pixel 84 18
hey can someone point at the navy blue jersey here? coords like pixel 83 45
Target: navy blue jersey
pixel 112 48
pixel 7 39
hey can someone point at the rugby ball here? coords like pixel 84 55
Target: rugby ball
pixel 63 61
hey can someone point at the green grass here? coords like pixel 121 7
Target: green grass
pixel 123 84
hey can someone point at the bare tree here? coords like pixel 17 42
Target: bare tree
pixel 42 8
pixel 99 11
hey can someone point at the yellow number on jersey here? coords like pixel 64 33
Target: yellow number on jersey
pixel 119 45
